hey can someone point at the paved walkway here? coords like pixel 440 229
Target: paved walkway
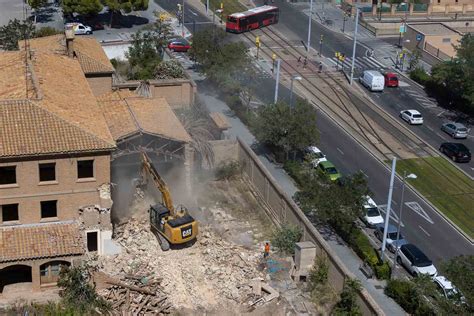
pixel 350 259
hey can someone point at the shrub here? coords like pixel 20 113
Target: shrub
pixel 363 248
pixel 169 69
pixel 46 31
pixel 420 75
pixel 296 171
pixel 348 303
pixel 228 170
pixel 285 238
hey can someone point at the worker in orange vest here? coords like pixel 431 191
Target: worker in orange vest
pixel 267 250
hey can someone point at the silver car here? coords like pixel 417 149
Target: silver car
pixel 456 130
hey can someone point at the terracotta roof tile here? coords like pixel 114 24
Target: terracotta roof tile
pixel 40 241
pixel 89 52
pixel 12 76
pixel 126 113
pixel 28 129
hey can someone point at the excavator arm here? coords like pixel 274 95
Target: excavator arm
pixel 159 182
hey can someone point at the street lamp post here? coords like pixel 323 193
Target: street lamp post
pixel 389 205
pixel 309 28
pixel 277 80
pixel 354 46
pixel 182 16
pixel 291 89
pixel 405 176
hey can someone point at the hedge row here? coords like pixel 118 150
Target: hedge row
pixel 362 246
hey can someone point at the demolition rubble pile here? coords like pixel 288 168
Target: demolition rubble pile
pixel 136 294
pixel 212 272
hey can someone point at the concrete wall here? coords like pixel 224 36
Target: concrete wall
pixel 284 210
pixel 224 150
pixel 70 192
pixel 100 84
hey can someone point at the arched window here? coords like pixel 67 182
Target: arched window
pixel 49 272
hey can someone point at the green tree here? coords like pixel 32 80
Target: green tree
pixel 144 54
pixel 77 291
pixel 86 7
pixel 284 128
pixel 127 6
pixel 334 204
pixel 285 237
pixel 348 304
pixel 460 270
pixel 37 4
pixel 13 32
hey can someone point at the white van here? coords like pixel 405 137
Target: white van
pixel 79 28
pixel 373 80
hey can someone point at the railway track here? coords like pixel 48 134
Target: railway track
pixel 344 100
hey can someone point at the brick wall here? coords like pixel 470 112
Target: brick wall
pixel 70 192
pixel 100 84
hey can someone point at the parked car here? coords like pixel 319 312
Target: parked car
pixel 373 80
pixel 329 170
pixel 412 117
pixel 447 289
pixel 415 261
pixel 456 151
pixel 391 79
pixel 79 28
pixel 392 242
pixel 456 130
pixel 371 216
pixel 315 155
pixel 179 45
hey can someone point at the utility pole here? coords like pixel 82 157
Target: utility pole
pixel 207 6
pixel 389 205
pixel 344 22
pixel 277 80
pixel 321 45
pixel 182 25
pixel 354 47
pixel 308 47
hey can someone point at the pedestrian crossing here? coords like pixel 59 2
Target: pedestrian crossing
pixel 421 99
pixel 362 63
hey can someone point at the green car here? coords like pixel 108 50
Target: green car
pixel 329 170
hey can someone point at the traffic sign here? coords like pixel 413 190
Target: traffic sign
pixel 402 28
pixel 419 37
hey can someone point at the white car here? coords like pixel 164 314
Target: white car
pixel 445 286
pixel 412 117
pixel 415 261
pixel 316 155
pixel 371 216
pixel 79 28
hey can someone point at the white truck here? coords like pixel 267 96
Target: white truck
pixel 79 28
pixel 373 80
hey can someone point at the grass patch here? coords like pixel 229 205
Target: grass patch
pixel 230 6
pixel 445 187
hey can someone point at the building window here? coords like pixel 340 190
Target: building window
pixel 9 212
pixel 85 169
pixel 49 209
pixel 8 175
pixel 49 272
pixel 47 172
pixel 92 241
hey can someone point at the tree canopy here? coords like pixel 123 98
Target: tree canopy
pixel 460 270
pixel 285 128
pixel 84 7
pixel 451 81
pixel 126 5
pixel 13 32
pixel 36 4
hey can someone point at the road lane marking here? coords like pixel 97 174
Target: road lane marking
pixel 383 208
pixel 440 114
pixel 342 153
pixel 419 210
pixel 364 173
pixel 192 12
pixel 424 231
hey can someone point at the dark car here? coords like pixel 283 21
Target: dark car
pixel 391 79
pixel 180 45
pixel 456 151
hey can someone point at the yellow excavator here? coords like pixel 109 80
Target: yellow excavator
pixel 171 226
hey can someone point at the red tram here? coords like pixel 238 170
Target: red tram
pixel 252 19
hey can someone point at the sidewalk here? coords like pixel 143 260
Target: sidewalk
pixel 350 259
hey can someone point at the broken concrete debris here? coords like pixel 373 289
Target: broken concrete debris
pixel 212 272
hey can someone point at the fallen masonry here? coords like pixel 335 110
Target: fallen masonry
pixel 213 273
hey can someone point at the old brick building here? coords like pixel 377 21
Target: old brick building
pixel 55 151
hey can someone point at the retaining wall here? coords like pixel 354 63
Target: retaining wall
pixel 284 210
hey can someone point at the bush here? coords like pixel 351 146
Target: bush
pixel 406 295
pixel 169 69
pixel 228 170
pixel 363 248
pixel 295 170
pixel 285 238
pixel 420 75
pixel 46 31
